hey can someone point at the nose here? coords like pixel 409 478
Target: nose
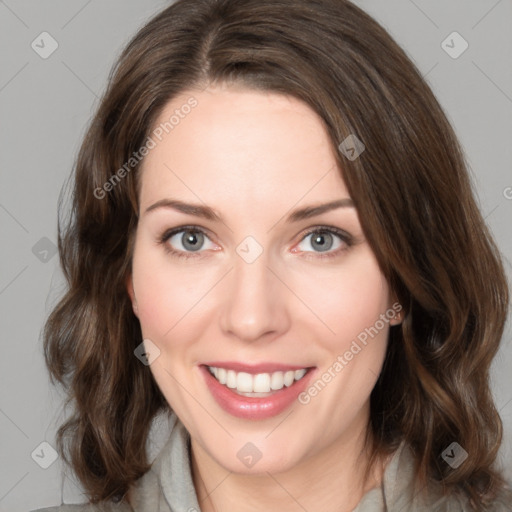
pixel 255 305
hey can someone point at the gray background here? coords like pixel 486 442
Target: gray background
pixel 45 105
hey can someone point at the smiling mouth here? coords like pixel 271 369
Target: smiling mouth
pixel 256 385
pixel 257 391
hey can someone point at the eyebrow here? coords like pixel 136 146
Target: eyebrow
pixel 208 213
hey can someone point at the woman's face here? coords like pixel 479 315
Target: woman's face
pixel 256 282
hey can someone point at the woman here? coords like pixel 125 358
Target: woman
pixel 274 239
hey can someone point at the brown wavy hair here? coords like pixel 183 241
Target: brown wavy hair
pixel 411 189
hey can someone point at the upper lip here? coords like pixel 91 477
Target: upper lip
pixel 254 369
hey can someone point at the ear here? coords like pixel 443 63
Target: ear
pixel 397 308
pixel 131 294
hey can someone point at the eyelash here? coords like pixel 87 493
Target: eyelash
pixel 344 236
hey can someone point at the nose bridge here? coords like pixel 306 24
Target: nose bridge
pixel 254 304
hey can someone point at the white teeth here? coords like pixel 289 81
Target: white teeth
pixel 300 373
pixel 221 375
pixel 276 381
pixel 231 379
pixel 289 377
pixel 244 382
pixel 261 383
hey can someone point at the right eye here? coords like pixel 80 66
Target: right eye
pixel 185 241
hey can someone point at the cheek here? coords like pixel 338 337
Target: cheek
pixel 157 290
pixel 166 294
pixel 349 300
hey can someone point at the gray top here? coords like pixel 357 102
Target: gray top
pixel 168 486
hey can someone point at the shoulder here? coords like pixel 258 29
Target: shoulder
pixel 461 504
pixel 146 493
pixel 401 492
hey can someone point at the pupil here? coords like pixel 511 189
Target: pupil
pixel 191 240
pixel 320 239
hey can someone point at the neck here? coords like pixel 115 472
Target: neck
pixel 331 480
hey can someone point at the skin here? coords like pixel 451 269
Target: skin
pixel 254 157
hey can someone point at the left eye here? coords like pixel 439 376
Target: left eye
pixel 323 240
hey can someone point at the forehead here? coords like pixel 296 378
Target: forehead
pixel 237 145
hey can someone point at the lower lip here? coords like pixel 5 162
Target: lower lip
pixel 254 408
